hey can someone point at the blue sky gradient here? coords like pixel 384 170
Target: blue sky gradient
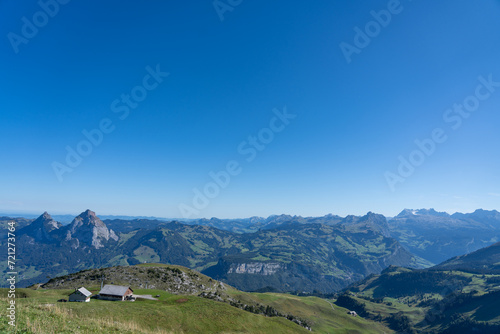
pixel 353 119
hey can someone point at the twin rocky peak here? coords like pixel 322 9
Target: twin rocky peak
pixel 85 230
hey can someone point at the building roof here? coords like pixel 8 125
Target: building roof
pixel 84 292
pixel 114 290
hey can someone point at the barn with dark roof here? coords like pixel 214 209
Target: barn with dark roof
pixel 115 292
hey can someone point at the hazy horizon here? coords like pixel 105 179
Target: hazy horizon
pixel 37 214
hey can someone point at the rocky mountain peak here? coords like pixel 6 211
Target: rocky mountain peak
pixel 421 212
pixel 406 213
pixel 374 216
pixel 377 222
pixel 89 212
pixel 88 229
pixel 46 221
pixel 42 227
pixel 89 216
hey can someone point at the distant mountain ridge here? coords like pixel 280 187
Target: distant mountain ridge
pixel 279 252
pixel 292 256
pixel 438 236
pixel 422 212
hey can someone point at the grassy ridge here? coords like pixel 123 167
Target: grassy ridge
pixel 182 281
pixel 38 312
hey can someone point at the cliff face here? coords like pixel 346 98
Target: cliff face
pixel 88 229
pixel 271 276
pixel 260 268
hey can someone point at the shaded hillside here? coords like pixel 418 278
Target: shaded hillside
pixel 485 260
pixel 128 225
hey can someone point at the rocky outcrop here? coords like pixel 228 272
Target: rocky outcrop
pixel 261 268
pixel 271 276
pixel 174 279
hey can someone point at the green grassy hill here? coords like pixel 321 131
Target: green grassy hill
pixel 40 313
pixel 216 308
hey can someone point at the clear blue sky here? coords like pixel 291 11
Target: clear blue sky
pixel 353 120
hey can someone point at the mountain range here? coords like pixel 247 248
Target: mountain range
pixel 438 236
pixel 290 257
pixel 278 253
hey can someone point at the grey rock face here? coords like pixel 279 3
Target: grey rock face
pixel 90 230
pixel 255 268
